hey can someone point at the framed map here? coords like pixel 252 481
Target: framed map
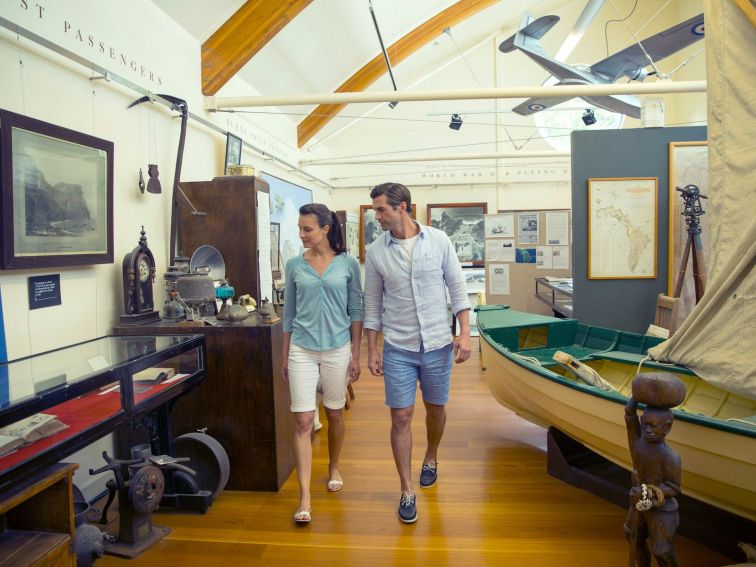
pixel 688 165
pixel 622 224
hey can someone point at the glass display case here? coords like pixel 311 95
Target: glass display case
pixel 556 293
pixel 55 403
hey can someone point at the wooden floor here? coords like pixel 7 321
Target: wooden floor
pixel 494 504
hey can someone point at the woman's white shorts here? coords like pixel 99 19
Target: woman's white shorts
pixel 308 367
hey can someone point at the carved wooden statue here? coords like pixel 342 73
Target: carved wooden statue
pixel 652 519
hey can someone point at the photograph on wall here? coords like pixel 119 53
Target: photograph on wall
pixel 688 166
pixel 475 280
pixel 499 225
pixel 57 189
pixel 353 238
pixel 500 249
pixel 464 224
pixel 525 255
pixel 233 151
pixel 528 228
pixel 622 221
pixel 285 200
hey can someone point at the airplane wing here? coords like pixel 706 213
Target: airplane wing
pixel 630 60
pixel 533 105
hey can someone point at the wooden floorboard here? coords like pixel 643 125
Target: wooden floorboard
pixel 494 503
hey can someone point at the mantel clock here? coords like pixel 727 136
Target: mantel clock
pixel 138 278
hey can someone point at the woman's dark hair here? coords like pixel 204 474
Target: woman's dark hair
pixel 327 217
pixel 395 194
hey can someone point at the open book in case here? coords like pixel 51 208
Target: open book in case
pixel 55 403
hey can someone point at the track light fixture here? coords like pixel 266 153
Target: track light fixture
pixel 456 122
pixel 588 117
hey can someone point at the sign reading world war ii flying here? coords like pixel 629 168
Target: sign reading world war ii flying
pixel 631 62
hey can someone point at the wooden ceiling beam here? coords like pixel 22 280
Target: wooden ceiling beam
pixel 398 52
pixel 242 36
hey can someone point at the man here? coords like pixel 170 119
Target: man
pixel 406 270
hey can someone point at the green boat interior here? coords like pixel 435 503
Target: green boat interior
pixel 615 355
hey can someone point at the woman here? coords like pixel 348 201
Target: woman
pixel 322 314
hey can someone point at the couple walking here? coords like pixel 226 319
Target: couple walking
pixel 407 271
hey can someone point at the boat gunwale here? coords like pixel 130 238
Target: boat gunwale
pixel 698 419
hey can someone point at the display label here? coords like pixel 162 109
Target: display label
pixel 44 291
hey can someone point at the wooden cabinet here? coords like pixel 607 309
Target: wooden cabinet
pixel 36 520
pixel 244 403
pixel 229 223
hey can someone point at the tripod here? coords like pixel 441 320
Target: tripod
pixel 692 211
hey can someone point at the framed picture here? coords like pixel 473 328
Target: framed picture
pixel 57 195
pixel 464 224
pixel 233 151
pixel 622 217
pixel 285 200
pixel 353 238
pixel 370 229
pixel 688 165
pixel 275 249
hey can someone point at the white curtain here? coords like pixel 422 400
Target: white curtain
pixel 718 340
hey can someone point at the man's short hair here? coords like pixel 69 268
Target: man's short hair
pixel 395 194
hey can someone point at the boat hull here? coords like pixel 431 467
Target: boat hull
pixel 719 467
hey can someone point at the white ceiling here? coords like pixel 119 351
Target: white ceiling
pixel 331 39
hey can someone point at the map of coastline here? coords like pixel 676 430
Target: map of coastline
pixel 622 233
pixel 637 238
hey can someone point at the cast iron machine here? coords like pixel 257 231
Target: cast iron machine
pixel 140 484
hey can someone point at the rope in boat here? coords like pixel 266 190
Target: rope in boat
pixel 529 359
pixel 648 357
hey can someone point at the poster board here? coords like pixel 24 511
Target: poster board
pixel 522 245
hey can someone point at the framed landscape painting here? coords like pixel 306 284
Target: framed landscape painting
pixel 57 195
pixel 464 224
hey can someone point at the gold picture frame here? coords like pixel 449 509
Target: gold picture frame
pixel 688 164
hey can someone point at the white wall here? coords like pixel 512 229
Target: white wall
pixel 162 58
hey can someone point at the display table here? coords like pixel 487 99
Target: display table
pixel 556 293
pixel 244 403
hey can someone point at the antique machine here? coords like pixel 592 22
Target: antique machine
pixel 140 485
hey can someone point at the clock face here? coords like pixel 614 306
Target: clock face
pixel 144 269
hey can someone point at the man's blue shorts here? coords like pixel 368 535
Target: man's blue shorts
pixel 403 368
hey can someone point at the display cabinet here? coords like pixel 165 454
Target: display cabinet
pixel 90 389
pixel 556 293
pixel 244 403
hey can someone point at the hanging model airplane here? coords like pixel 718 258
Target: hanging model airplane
pixel 631 62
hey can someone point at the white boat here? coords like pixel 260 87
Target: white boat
pixel 714 430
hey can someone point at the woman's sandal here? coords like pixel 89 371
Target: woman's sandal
pixel 335 485
pixel 303 516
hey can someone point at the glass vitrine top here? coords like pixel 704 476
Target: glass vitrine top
pixel 35 375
